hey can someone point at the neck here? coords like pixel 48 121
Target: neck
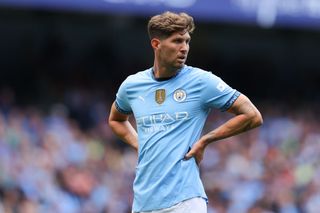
pixel 163 71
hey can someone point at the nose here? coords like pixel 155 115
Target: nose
pixel 184 47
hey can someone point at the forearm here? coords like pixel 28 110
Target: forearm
pixel 125 131
pixel 234 126
pixel 238 124
pixel 246 117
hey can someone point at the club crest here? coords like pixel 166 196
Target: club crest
pixel 160 96
pixel 179 95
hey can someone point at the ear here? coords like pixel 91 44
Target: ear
pixel 155 43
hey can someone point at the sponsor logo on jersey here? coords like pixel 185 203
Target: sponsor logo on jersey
pixel 179 95
pixel 162 118
pixel 160 122
pixel 160 96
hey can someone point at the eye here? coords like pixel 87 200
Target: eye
pixel 178 41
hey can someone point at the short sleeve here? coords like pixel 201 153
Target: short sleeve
pixel 122 102
pixel 216 93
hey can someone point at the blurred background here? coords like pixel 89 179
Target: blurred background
pixel 62 61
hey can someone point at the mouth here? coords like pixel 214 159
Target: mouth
pixel 182 58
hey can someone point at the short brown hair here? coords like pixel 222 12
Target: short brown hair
pixel 167 23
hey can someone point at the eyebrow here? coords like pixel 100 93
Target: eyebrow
pixel 182 36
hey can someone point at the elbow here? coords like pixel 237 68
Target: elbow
pixel 111 123
pixel 254 119
pixel 257 119
pixel 108 121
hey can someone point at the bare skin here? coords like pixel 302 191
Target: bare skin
pixel 246 117
pixel 170 55
pixel 121 126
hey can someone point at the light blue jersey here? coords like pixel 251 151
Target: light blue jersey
pixel 170 115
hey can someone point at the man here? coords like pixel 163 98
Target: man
pixel 170 103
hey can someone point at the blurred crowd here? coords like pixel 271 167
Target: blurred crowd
pixel 50 161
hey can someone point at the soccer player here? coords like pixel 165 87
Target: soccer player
pixel 170 102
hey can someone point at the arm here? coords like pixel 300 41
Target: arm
pixel 246 117
pixel 120 125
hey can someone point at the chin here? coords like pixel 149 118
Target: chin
pixel 180 65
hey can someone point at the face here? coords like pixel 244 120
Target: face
pixel 172 52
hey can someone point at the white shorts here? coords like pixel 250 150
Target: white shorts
pixel 193 205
